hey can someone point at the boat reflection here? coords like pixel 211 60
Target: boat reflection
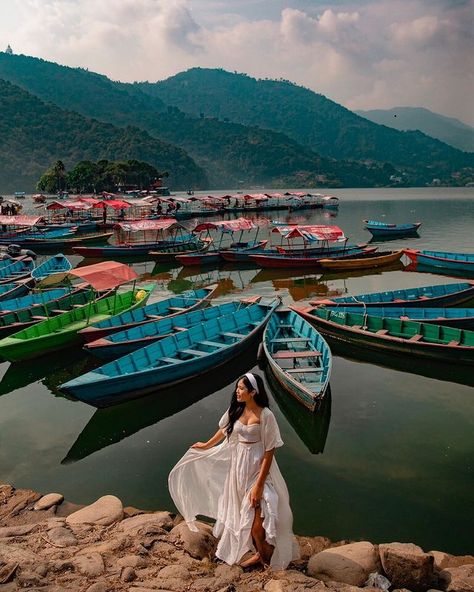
pixel 300 288
pixel 51 371
pixel 311 428
pixel 417 267
pixel 431 369
pixel 112 424
pixel 386 239
pixel 355 273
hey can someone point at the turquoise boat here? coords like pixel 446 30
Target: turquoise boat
pixel 462 318
pixel 125 342
pixel 173 359
pixel 442 260
pixel 16 271
pixel 55 264
pixel 13 290
pixel 423 297
pixel 298 357
pixel 169 307
pixel 31 300
pixel 384 230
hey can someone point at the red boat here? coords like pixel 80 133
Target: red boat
pixel 279 261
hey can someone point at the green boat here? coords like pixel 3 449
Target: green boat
pixel 59 332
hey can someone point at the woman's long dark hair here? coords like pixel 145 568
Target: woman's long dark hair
pixel 236 409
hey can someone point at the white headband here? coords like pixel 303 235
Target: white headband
pixel 252 380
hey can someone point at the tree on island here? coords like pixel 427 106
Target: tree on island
pixel 104 175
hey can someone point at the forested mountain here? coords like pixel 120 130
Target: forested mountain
pixel 230 153
pixel 447 129
pixel 307 117
pixel 34 134
pixel 237 129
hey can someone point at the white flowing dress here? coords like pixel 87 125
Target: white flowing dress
pixel 217 483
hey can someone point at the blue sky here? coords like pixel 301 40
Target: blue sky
pixel 364 55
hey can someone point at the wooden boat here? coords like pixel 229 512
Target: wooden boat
pixel 17 320
pixel 384 230
pixel 16 271
pixel 199 258
pixel 170 253
pixel 56 264
pixel 462 318
pixel 173 359
pixel 298 357
pixel 397 336
pixel 169 307
pixel 369 260
pixel 285 260
pixel 14 290
pixel 61 331
pixel 33 299
pixel 125 342
pixel 442 260
pixel 426 296
pixel 46 244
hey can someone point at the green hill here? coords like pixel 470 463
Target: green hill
pixel 309 118
pixel 231 153
pixel 34 134
pixel 447 129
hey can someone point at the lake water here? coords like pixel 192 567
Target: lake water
pixel 389 458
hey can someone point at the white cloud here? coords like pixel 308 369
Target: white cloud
pixel 363 54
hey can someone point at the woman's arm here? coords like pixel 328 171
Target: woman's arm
pixel 257 490
pixel 216 438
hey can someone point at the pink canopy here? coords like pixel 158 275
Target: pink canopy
pixel 226 225
pixel 69 205
pixel 105 275
pixel 20 220
pixel 317 232
pixel 142 225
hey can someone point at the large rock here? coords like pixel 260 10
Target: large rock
pixel 145 523
pixel 407 566
pixel 61 537
pixel 172 577
pixel 443 560
pixel 14 531
pixel 198 544
pixel 458 579
pixel 293 581
pixel 16 500
pixel 105 511
pixel 309 546
pixel 48 501
pixel 350 564
pixel 91 565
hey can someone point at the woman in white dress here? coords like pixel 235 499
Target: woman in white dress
pixel 239 483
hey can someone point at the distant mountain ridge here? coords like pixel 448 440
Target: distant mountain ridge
pixel 447 129
pixel 35 134
pixel 309 118
pixel 199 116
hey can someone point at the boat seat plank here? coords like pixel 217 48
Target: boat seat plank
pixel 38 318
pixel 302 370
pixel 416 337
pixel 171 360
pixel 286 354
pixel 292 339
pixel 77 305
pixel 230 334
pixel 213 343
pixel 176 308
pixel 381 332
pixel 179 329
pixel 194 352
pixel 453 343
pixel 153 317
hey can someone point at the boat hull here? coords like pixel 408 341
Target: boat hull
pixel 377 260
pixel 444 261
pixel 289 261
pixel 392 230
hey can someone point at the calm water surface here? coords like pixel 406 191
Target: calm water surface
pixel 390 457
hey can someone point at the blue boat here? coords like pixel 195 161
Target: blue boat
pixel 298 357
pixel 32 300
pixel 442 260
pixel 173 359
pixel 13 290
pixel 125 342
pixel 384 230
pixel 56 264
pixel 16 271
pixel 423 297
pixel 462 318
pixel 169 307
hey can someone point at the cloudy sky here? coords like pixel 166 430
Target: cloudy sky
pixel 364 54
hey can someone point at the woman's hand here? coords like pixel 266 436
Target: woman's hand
pixel 255 496
pixel 200 446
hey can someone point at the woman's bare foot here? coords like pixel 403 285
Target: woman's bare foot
pixel 251 561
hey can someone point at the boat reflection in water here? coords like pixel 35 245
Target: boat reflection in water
pixel 311 428
pixel 112 424
pixel 420 268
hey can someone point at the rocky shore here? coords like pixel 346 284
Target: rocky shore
pixel 48 544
